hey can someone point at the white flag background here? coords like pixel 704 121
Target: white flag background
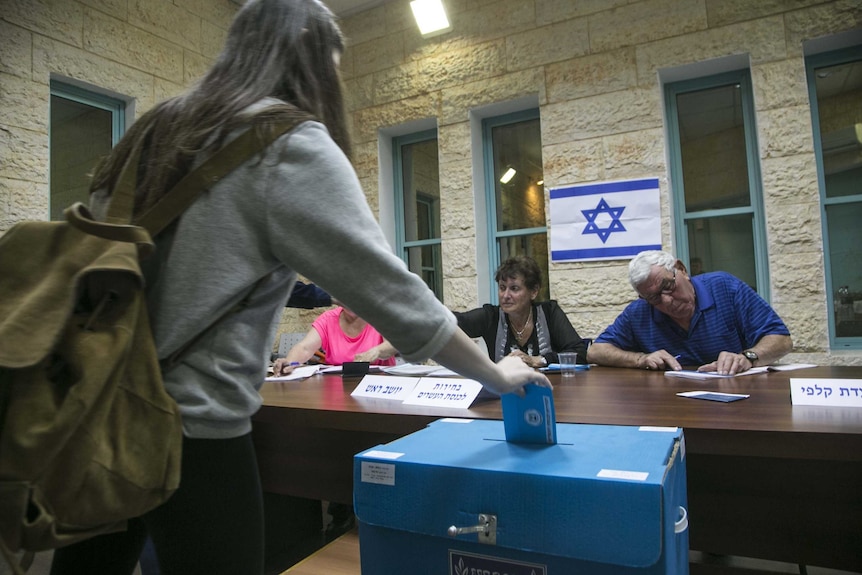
pixel 606 220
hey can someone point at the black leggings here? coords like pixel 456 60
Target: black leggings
pixel 213 524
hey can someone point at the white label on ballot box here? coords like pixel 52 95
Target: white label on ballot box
pixel 444 392
pixel 622 474
pixel 385 387
pixel 829 392
pixel 380 473
pixel 382 454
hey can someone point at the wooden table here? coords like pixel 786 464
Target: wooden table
pixel 766 479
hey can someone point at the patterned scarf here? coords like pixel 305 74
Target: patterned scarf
pixel 541 326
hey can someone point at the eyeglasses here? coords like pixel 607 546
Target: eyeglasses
pixel 667 287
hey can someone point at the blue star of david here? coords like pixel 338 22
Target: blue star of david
pixel 603 208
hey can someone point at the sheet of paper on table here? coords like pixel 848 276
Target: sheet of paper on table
pixel 790 366
pixel 412 369
pixel 690 374
pixel 298 373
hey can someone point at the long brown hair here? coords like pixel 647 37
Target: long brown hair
pixel 282 49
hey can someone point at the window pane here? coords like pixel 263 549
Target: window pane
pixel 712 148
pixel 80 136
pixel 839 109
pixel 532 245
pixel 845 255
pixel 723 243
pixel 520 200
pixel 420 189
pixel 847 182
pixel 839 106
pixel 421 185
pixel 424 261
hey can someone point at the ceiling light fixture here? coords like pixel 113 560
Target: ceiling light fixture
pixel 510 173
pixel 430 16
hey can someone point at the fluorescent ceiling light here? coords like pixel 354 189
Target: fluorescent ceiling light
pixel 430 16
pixel 510 173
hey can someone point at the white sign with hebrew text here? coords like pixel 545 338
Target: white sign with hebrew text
pixel 385 387
pixel 444 392
pixel 831 392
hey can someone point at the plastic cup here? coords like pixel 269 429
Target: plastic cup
pixel 568 361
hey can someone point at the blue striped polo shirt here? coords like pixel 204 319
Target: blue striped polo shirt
pixel 728 316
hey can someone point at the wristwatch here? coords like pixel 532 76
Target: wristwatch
pixel 751 356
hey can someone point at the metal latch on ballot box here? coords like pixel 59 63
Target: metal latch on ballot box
pixel 486 528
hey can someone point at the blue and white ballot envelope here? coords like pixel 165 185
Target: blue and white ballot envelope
pixel 530 419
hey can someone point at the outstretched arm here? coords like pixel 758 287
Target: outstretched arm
pixel 384 350
pixel 299 353
pixel 510 375
pixel 611 355
pixel 769 349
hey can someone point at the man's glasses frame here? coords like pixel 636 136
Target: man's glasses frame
pixel 667 288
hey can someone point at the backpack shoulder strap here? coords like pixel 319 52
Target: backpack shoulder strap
pixel 214 168
pixel 187 190
pixel 123 195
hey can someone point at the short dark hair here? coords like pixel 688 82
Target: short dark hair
pixel 523 266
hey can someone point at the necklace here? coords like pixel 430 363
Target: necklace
pixel 526 323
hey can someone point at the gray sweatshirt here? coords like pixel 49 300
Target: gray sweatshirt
pixel 299 209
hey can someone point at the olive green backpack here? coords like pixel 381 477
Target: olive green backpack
pixel 88 436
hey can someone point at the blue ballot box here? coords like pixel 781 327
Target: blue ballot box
pixel 455 498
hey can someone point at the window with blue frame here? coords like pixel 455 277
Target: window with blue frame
pixel 417 206
pixel 515 192
pixel 835 89
pixel 715 177
pixel 84 127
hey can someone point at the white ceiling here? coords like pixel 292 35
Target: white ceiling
pixel 345 8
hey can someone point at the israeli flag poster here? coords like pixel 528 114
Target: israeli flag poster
pixel 605 221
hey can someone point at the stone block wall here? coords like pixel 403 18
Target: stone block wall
pixel 593 66
pixel 146 50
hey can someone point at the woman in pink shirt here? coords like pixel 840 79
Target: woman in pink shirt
pixel 344 337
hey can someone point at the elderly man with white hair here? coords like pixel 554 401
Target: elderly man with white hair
pixel 714 321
